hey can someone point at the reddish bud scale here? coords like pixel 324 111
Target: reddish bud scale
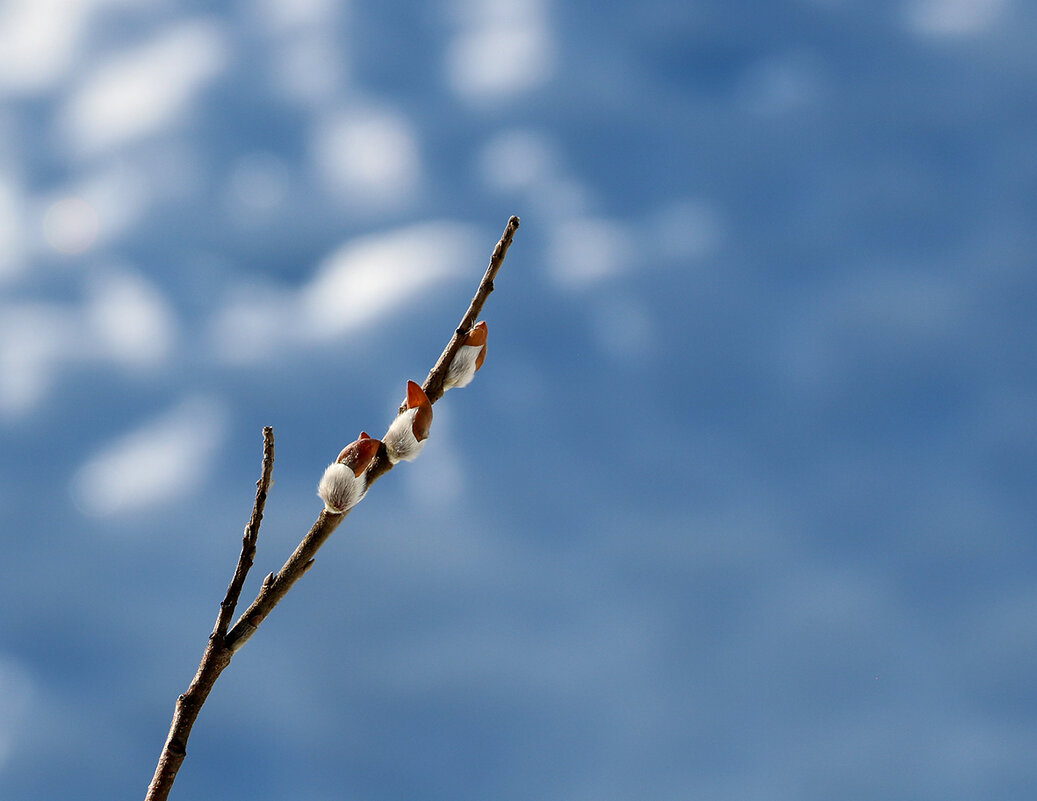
pixel 468 359
pixel 344 483
pixel 408 432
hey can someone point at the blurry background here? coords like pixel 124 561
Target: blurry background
pixel 741 505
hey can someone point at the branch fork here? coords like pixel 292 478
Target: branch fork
pixel 225 640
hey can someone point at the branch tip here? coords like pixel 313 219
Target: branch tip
pixel 226 640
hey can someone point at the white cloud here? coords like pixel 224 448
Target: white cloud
pixel 128 319
pixel 117 196
pixel 17 694
pixel 96 208
pixel 157 464
pixel 953 17
pixel 33 341
pixel 584 252
pixel 123 320
pixel 305 48
pixel 363 282
pixel 308 68
pixel 490 62
pixel 529 163
pixel 70 225
pixel 252 324
pixel 374 276
pixel 38 42
pixel 291 15
pixel 139 92
pixel 41 41
pixel 369 157
pixel 494 12
pixel 519 159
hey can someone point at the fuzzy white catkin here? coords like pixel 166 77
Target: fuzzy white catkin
pixel 400 442
pixel 340 489
pixel 462 368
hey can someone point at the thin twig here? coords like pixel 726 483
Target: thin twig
pixel 433 385
pixel 326 523
pixel 224 642
pixel 216 655
pixel 248 539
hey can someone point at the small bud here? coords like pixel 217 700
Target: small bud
pixel 408 432
pixel 358 455
pixel 344 482
pixel 468 359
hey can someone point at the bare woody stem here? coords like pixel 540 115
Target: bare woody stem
pixel 225 640
pixel 302 557
pixel 433 385
pixel 216 655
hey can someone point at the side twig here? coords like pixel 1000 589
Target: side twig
pixel 225 640
pixel 216 655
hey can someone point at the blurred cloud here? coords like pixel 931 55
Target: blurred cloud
pixel 38 42
pixel 251 323
pixel 34 340
pixel 837 548
pixel 17 693
pixel 308 68
pixel 143 90
pixel 519 159
pixel 12 243
pixel 368 157
pixel 364 281
pixel 307 63
pixel 128 318
pixel 96 208
pixel 528 163
pixel 877 317
pixel 624 328
pixel 257 187
pixel 502 49
pixel 155 465
pixel 685 229
pixel 293 15
pixel 372 276
pixel 441 484
pixel 123 319
pixel 70 225
pixel 781 84
pixel 953 17
pixel 586 251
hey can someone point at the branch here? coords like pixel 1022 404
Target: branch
pixel 216 655
pixel 326 523
pixel 275 588
pixel 433 385
pixel 248 539
pixel 224 642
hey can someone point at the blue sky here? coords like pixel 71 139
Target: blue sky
pixel 740 505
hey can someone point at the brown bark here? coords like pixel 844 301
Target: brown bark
pixel 225 640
